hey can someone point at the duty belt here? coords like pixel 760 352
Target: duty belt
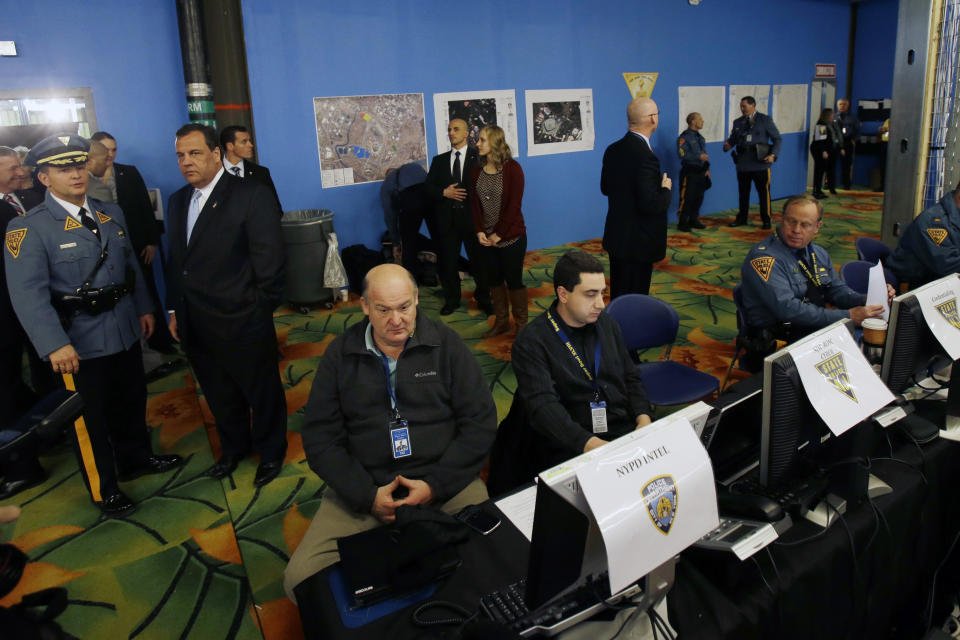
pixel 89 300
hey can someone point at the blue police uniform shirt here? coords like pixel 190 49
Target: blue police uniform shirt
pixel 930 246
pixel 746 134
pixel 49 250
pixel 774 286
pixel 690 145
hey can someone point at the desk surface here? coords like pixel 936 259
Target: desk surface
pixel 807 587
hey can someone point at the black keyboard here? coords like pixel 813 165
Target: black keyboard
pixel 796 498
pixel 507 607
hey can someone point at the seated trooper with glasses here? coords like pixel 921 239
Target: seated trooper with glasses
pixel 788 281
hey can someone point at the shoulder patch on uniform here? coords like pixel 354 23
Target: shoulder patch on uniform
pixel 104 218
pixel 13 241
pixel 763 265
pixel 937 235
pixel 72 224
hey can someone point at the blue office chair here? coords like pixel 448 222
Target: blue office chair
pixel 871 250
pixel 647 322
pixel 856 274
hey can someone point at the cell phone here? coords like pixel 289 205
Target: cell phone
pixel 478 519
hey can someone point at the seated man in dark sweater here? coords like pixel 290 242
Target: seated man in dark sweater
pixel 399 414
pixel 576 380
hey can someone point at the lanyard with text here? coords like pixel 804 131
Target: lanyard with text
pixel 399 429
pixel 814 277
pixel 598 408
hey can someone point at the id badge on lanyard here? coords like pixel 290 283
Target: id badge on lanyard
pixel 598 408
pixel 398 427
pixel 598 415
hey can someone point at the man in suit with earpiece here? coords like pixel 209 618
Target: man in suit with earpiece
pixel 237 149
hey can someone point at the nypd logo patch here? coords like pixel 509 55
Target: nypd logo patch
pixel 763 266
pixel 937 235
pixel 834 369
pixel 660 496
pixel 13 241
pixel 948 309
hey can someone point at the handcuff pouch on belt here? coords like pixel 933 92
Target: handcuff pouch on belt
pixel 90 300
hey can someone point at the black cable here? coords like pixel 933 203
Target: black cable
pixel 442 604
pixel 933 586
pixel 777 601
pixel 623 624
pixel 923 476
pixel 664 627
pixel 763 577
pixel 857 578
pixel 802 540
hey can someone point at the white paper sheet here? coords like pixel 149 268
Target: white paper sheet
pixel 877 290
pixel 837 378
pixel 760 93
pixel 651 499
pixel 519 507
pixel 790 107
pixel 479 109
pixel 938 302
pixel 709 103
pixel 559 121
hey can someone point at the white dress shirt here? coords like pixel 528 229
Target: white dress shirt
pixel 229 166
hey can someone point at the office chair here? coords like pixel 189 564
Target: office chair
pixel 856 274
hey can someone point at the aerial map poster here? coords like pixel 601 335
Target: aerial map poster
pixel 359 138
pixel 479 109
pixel 559 121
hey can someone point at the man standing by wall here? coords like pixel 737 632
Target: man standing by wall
pixel 850 128
pixel 447 184
pixel 130 193
pixel 635 233
pixel 694 173
pixel 237 149
pixel 224 279
pixel 756 143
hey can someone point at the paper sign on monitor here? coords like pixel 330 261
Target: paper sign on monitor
pixel 838 380
pixel 651 500
pixel 938 302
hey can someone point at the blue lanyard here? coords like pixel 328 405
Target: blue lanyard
pixel 576 356
pixel 393 395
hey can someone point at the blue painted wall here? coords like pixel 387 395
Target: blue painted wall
pixel 873 66
pixel 301 49
pixel 127 52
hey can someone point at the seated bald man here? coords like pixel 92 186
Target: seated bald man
pixel 385 431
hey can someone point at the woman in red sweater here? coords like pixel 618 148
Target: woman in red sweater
pixel 497 188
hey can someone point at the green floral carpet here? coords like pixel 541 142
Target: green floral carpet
pixel 204 559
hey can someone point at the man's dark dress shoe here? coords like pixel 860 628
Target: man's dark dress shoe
pixel 696 224
pixel 486 307
pixel 765 225
pixel 153 464
pixel 117 505
pixel 737 223
pixel 448 308
pixel 266 472
pixel 683 227
pixel 224 467
pixel 11 488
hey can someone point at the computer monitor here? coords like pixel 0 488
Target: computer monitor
pixel 732 433
pixel 912 353
pixel 794 438
pixel 566 548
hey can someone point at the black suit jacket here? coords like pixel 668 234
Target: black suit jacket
pixel 440 177
pixel 225 283
pixel 261 175
pixel 134 200
pixel 10 330
pixel 636 226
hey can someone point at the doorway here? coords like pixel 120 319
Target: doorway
pixel 823 94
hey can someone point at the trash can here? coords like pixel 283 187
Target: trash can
pixel 305 236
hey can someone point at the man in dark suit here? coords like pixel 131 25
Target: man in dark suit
pixel 635 233
pixel 447 185
pixel 15 396
pixel 237 149
pixel 130 193
pixel 224 279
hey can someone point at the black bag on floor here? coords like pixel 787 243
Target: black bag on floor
pixel 357 261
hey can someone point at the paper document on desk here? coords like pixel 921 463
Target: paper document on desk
pixel 877 290
pixel 519 507
pixel 651 499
